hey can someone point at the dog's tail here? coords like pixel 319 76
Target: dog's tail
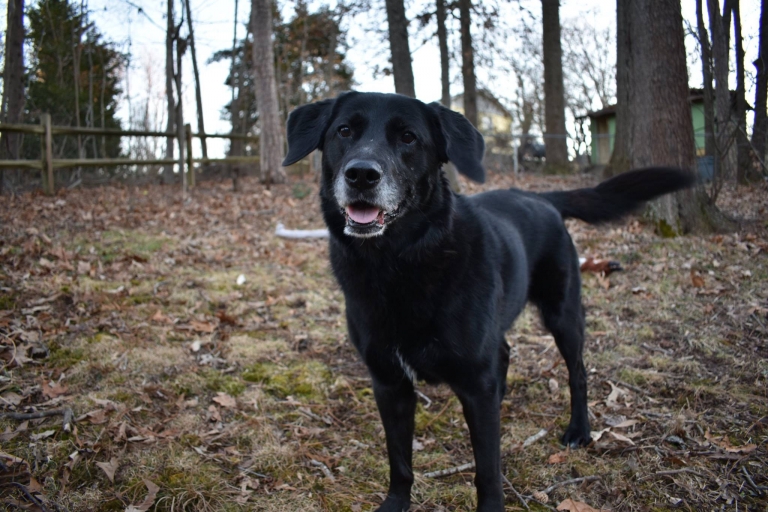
pixel 620 195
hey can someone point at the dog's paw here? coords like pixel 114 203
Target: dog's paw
pixel 576 436
pixel 393 504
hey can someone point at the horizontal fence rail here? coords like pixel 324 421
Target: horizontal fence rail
pixel 46 164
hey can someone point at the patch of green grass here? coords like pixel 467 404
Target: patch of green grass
pixel 309 379
pixel 220 382
pixel 64 356
pixel 7 301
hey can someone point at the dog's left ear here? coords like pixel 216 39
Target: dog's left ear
pixel 461 143
pixel 306 127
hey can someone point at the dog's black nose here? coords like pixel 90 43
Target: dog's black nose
pixel 362 174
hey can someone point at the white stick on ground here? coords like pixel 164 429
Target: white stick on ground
pixel 300 233
pixel 535 437
pixel 450 471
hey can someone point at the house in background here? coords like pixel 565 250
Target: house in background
pixel 493 119
pixel 603 128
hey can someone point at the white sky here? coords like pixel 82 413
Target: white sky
pixel 120 21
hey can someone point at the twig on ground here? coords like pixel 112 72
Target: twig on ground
pixel 671 472
pixel 324 469
pixel 450 471
pixel 757 488
pixel 27 494
pixel 66 424
pixel 571 481
pixel 535 437
pixel 431 421
pixel 519 496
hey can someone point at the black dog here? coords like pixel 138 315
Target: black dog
pixel 433 280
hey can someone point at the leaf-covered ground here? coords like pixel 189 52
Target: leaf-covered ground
pixel 206 365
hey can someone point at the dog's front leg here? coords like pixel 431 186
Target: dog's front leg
pixel 482 413
pixel 397 406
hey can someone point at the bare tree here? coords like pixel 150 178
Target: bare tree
pixel 169 84
pixel 442 41
pixel 554 97
pixel 13 81
pixel 760 128
pixel 744 168
pixel 468 62
pixel 706 71
pixel 661 128
pixel 198 92
pixel 719 26
pixel 271 130
pixel 399 48
pixel 620 159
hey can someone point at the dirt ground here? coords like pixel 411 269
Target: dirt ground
pixel 163 355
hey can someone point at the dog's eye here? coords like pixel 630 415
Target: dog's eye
pixel 344 131
pixel 407 137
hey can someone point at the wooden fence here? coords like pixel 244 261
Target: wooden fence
pixel 46 164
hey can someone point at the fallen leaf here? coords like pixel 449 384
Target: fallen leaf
pixel 558 458
pixel 613 397
pixel 53 389
pixel 626 424
pixel 206 327
pixel 152 489
pixel 225 400
pixel 553 385
pixel 42 435
pixel 83 267
pixel 11 398
pixel 225 318
pixel 696 279
pixel 109 468
pixel 576 506
pixel 161 318
pixel 725 443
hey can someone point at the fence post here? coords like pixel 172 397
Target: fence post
pixel 190 160
pixel 46 155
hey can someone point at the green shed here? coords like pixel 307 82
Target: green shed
pixel 603 128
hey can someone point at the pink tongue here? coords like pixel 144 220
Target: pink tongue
pixel 362 215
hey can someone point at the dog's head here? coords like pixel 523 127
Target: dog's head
pixel 382 153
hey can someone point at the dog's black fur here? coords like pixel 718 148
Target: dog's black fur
pixel 434 282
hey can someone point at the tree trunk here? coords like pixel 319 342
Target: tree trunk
pixel 468 62
pixel 744 160
pixel 706 70
pixel 236 72
pixel 442 41
pixel 401 51
pixel 271 133
pixel 170 127
pixel 554 96
pixel 760 128
pixel 661 129
pixel 445 79
pixel 620 156
pixel 719 26
pixel 198 93
pixel 12 107
pixel 181 48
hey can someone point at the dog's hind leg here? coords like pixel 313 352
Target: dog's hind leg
pixel 396 401
pixel 556 290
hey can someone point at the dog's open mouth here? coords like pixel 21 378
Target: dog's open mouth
pixel 367 220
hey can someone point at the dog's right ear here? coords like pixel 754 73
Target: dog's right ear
pixel 306 127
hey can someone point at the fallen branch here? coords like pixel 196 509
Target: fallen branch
pixel 519 496
pixel 281 231
pixel 671 472
pixel 65 411
pixel 324 469
pixel 757 488
pixel 450 471
pixel 27 494
pixel 535 437
pixel 571 481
